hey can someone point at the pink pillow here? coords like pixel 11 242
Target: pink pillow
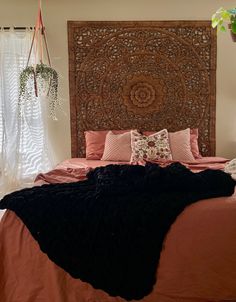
pixel 95 142
pixel 152 147
pixel 194 143
pixel 117 147
pixel 180 145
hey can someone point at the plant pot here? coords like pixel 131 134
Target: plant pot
pixel 233 35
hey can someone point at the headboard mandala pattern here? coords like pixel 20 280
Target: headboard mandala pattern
pixel 146 75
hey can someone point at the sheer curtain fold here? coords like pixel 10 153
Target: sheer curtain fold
pixel 24 145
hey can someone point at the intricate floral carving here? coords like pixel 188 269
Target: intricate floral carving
pixel 144 75
pixel 143 94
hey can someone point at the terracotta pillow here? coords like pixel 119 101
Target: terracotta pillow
pixel 152 147
pixel 95 142
pixel 117 147
pixel 180 145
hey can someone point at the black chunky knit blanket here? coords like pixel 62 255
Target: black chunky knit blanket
pixel 108 230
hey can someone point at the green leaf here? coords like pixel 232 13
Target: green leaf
pixel 233 27
pixel 232 11
pixel 220 10
pixel 213 17
pixel 225 15
pixel 222 28
pixel 214 23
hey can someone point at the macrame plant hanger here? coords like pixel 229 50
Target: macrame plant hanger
pixel 44 77
pixel 39 37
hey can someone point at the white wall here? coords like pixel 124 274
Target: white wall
pixel 56 14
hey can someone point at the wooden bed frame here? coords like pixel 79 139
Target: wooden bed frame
pixel 147 75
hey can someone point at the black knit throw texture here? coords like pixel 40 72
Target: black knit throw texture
pixel 109 229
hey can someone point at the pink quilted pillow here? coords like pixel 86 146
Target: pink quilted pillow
pixel 194 143
pixel 95 142
pixel 152 147
pixel 117 147
pixel 180 145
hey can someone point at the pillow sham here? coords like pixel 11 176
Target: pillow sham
pixel 117 147
pixel 95 142
pixel 180 145
pixel 194 143
pixel 152 147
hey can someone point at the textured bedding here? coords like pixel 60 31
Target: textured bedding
pixel 176 280
pixel 109 229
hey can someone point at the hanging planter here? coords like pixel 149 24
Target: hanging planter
pixel 232 33
pixel 40 79
pixel 225 16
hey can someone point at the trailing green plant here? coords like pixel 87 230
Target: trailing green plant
pixel 222 17
pixel 39 81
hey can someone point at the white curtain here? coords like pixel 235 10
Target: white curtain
pixel 24 146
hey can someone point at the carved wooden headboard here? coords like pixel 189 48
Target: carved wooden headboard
pixel 145 75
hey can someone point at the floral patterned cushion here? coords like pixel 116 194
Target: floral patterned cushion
pixel 152 147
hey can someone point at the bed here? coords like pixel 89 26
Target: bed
pixel 115 67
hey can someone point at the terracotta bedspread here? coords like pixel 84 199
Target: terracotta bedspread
pixel 197 264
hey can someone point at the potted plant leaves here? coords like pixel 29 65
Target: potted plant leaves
pixel 223 17
pixel 39 80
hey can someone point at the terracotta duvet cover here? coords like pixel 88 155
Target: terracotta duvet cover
pixel 197 264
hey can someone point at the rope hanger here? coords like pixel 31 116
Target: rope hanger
pixel 39 38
